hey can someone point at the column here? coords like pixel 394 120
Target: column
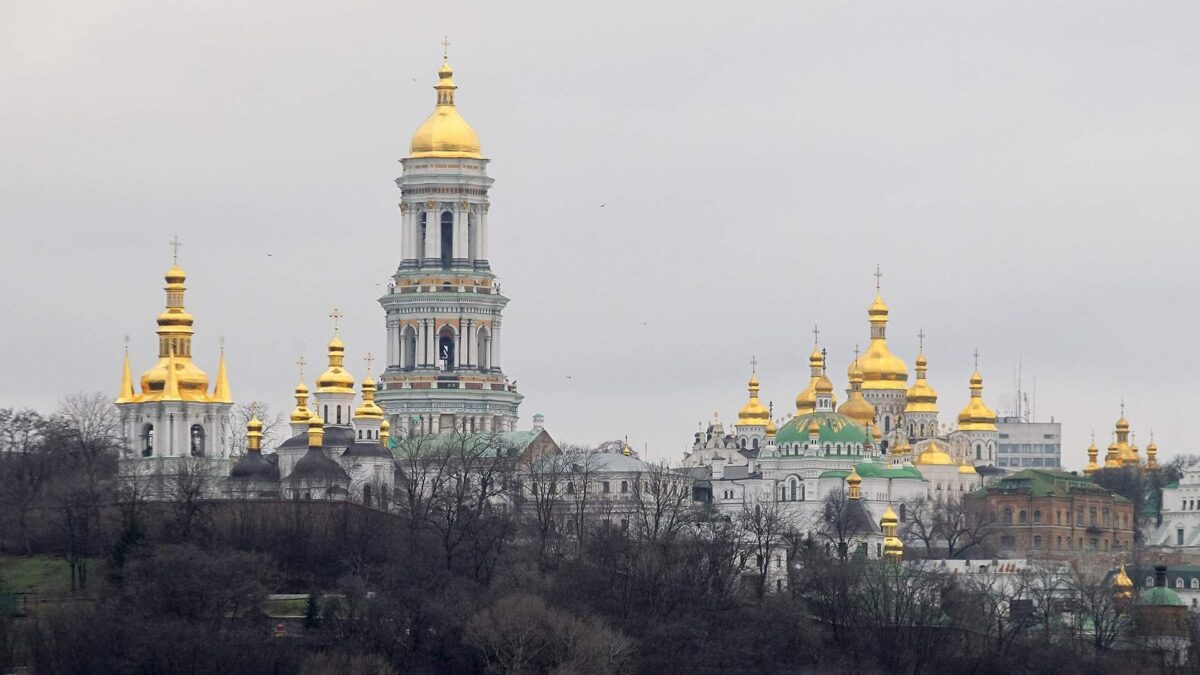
pixel 423 342
pixel 494 362
pixel 406 250
pixel 392 345
pixel 483 232
pixel 458 347
pixel 460 233
pixel 470 340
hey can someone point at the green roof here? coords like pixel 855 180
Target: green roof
pixel 835 428
pixel 514 442
pixel 873 470
pixel 1160 595
pixel 1044 483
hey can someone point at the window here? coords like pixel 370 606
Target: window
pixel 1008 542
pixel 1179 537
pixel 1149 582
pixel 1079 517
pixel 1092 515
pixel 1007 516
pixel 1179 583
pixel 795 488
pixel 1195 584
pixel 197 440
pixel 147 440
pixel 1037 542
pixel 1104 514
pixel 1037 517
pixel 607 488
pixel 624 487
pixel 903 511
pixel 366 495
pixel 570 487
pixel 1024 518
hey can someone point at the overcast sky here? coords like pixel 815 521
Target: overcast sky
pixel 679 186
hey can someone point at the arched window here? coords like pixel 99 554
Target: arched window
pixel 1024 518
pixel 1037 517
pixel 903 511
pixel 1179 583
pixel 1149 582
pixel 978 451
pixel 887 423
pixel 795 488
pixel 754 443
pixel 1195 583
pixel 1006 518
pixel 338 408
pixel 197 440
pixel 409 347
pixel 366 495
pixel 446 348
pixel 326 415
pixel 147 440
pixel 447 238
pixel 483 347
pixel 624 486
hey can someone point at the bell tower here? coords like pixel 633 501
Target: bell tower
pixel 443 308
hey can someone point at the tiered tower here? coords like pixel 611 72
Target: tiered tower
pixel 977 423
pixel 443 309
pixel 920 410
pixel 885 377
pixel 175 416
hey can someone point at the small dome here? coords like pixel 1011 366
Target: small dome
pixel 933 455
pixel 445 133
pixel 880 367
pixel 335 379
pixel 754 413
pixel 966 469
pixel 889 517
pixel 976 416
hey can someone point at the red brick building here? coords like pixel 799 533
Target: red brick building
pixel 1036 509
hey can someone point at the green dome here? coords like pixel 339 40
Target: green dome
pixel 835 429
pixel 1160 595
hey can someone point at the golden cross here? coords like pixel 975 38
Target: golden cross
pixel 445 47
pixel 1122 406
pixel 335 315
pixel 753 364
pixel 976 359
pixel 126 344
pixel 370 359
pixel 816 334
pixel 300 363
pixel 921 338
pixel 856 353
pixel 878 276
pixel 221 340
pixel 175 243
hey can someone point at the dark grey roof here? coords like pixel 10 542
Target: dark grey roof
pixel 316 466
pixel 367 449
pixel 989 470
pixel 254 467
pixel 859 519
pixel 335 437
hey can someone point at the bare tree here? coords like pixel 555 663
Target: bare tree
pixel 843 527
pixel 477 472
pixel 25 467
pixel 423 472
pixel 663 503
pixel 548 478
pixel 582 464
pixel 189 490
pixel 1099 614
pixel 765 521
pixel 947 525
pixel 275 426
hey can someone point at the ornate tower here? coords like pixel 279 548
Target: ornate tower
pixel 977 423
pixel 885 377
pixel 443 309
pixel 920 410
pixel 175 416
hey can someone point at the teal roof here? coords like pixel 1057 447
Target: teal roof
pixel 1160 595
pixel 835 428
pixel 873 470
pixel 1045 483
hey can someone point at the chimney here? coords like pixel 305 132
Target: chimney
pixel 718 468
pixel 539 421
pixel 1160 575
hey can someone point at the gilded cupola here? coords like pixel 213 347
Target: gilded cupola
pixel 1123 585
pixel 336 379
pixel 856 407
pixel 1152 454
pixel 1092 452
pixel 754 413
pixel 933 455
pixel 976 416
pixel 893 547
pixel 854 484
pixel 881 368
pixel 175 349
pixel 921 397
pixel 445 133
pixel 806 401
pixel 369 409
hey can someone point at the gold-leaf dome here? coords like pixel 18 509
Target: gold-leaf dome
pixel 921 397
pixel 966 468
pixel 445 133
pixel 369 408
pixel 881 368
pixel 806 401
pixel 175 340
pixel 933 455
pixel 335 379
pixel 856 407
pixel 754 413
pixel 976 416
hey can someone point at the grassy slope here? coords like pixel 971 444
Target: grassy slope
pixel 40 574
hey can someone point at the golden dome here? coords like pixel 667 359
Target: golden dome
pixel 1112 459
pixel 921 397
pixel 854 481
pixel 856 407
pixel 301 414
pixel 175 340
pixel 933 455
pixel 1123 584
pixel 771 428
pixel 814 429
pixel 976 416
pixel 445 133
pixel 1092 453
pixel 385 428
pixel 966 469
pixel 626 450
pixel 368 409
pixel 754 413
pixel 881 368
pixel 806 401
pixel 316 431
pixel 888 517
pixel 335 379
pixel 254 434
